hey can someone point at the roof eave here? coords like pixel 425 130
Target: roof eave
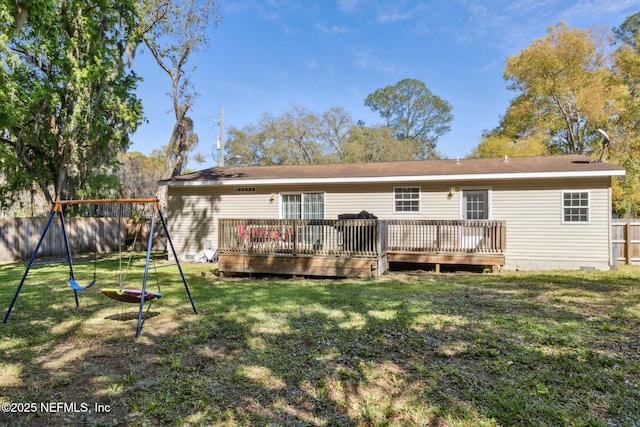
pixel 396 178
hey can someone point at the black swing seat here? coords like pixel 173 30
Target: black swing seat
pixel 129 295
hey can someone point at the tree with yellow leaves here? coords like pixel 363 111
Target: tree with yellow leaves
pixel 566 91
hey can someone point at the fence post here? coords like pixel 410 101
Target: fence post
pixel 627 243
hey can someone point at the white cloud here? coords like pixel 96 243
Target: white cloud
pixel 514 24
pixel 332 29
pixel 348 6
pixel 366 58
pixel 395 12
pixel 508 25
pixel 393 17
pixel 588 9
pixel 271 10
pixel 492 66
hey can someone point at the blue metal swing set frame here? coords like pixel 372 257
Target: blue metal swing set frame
pixel 126 295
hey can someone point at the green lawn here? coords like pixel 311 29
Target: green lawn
pixel 442 350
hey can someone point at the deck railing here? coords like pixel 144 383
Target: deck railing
pixel 449 236
pixel 346 237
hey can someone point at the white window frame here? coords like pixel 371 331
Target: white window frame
pixel 563 207
pixel 463 207
pixel 395 207
pixel 301 194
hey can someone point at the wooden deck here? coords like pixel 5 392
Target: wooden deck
pixel 337 248
pixel 466 242
pixel 355 247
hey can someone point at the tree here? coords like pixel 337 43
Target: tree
pixel 414 113
pixel 68 96
pixel 375 144
pixel 565 90
pixel 173 31
pixel 335 126
pixel 626 130
pixel 627 32
pixel 293 138
pixel 298 133
pixel 301 136
pixel 570 83
pixel 247 146
pixel 139 174
pixel 495 144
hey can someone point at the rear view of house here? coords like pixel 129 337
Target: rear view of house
pixel 526 213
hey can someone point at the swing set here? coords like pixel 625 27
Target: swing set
pixel 117 293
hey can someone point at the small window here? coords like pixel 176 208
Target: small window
pixel 407 199
pixel 575 206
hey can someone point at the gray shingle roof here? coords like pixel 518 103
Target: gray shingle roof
pixel 513 166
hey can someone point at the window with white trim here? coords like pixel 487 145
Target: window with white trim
pixel 406 199
pixel 303 206
pixel 575 206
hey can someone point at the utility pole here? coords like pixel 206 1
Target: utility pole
pixel 221 139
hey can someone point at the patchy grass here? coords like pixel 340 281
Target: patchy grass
pixel 448 350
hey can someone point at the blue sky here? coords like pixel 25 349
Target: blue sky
pixel 266 55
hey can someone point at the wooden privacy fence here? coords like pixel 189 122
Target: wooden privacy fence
pixel 19 236
pixel 341 237
pixel 466 236
pixel 625 235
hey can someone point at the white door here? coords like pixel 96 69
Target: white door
pixel 475 204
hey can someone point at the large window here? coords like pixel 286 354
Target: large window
pixel 406 199
pixel 575 206
pixel 303 206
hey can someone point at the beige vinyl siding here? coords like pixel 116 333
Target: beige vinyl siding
pixel 532 208
pixel 378 199
pixel 537 239
pixel 193 213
